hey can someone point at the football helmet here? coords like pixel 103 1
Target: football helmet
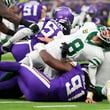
pixel 65 17
pixel 104 33
pixel 92 10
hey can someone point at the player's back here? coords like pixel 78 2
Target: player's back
pixel 31 10
pixel 50 29
pixel 69 87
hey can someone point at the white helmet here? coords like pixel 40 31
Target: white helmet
pixel 102 35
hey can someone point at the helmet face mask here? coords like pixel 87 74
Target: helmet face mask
pixel 104 34
pixel 66 26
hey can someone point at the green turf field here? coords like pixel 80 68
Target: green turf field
pixel 7 56
pixel 9 104
pixel 21 104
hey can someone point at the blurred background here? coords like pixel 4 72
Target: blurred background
pixel 101 7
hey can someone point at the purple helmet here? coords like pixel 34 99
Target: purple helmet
pixel 65 13
pixel 64 16
pixel 92 10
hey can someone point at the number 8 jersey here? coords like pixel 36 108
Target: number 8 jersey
pixel 78 44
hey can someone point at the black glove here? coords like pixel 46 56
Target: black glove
pixel 34 27
pixel 65 49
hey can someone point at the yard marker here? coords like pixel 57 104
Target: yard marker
pixel 55 106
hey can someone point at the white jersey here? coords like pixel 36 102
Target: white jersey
pixel 77 42
pixel 79 49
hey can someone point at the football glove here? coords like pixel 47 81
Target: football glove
pixel 65 49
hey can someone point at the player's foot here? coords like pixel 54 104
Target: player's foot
pixel 108 90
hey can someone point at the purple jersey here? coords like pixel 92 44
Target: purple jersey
pixel 31 10
pixel 69 87
pixel 50 29
pixel 37 87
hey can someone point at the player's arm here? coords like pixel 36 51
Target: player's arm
pixel 55 63
pixel 19 35
pixel 17 19
pixel 9 15
pixel 6 30
pixel 90 90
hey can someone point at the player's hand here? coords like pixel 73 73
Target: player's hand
pixel 34 27
pixel 65 49
pixel 90 101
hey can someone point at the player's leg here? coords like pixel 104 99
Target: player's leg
pixel 19 50
pixel 99 94
pixel 34 84
pixel 103 92
pixel 4 76
pixel 8 84
pixel 95 56
pixel 33 59
pixel 10 89
pixel 9 66
pixel 106 90
pixel 104 71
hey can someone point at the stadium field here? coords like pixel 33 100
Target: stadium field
pixel 14 104
pixel 21 104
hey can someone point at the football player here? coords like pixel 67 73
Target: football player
pixel 72 85
pixel 41 88
pixel 50 30
pixel 77 46
pixel 12 17
pixel 65 17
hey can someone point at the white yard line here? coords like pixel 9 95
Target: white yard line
pixel 55 106
pixel 17 102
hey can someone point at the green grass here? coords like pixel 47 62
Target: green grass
pixel 7 56
pixel 21 104
pixel 9 104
